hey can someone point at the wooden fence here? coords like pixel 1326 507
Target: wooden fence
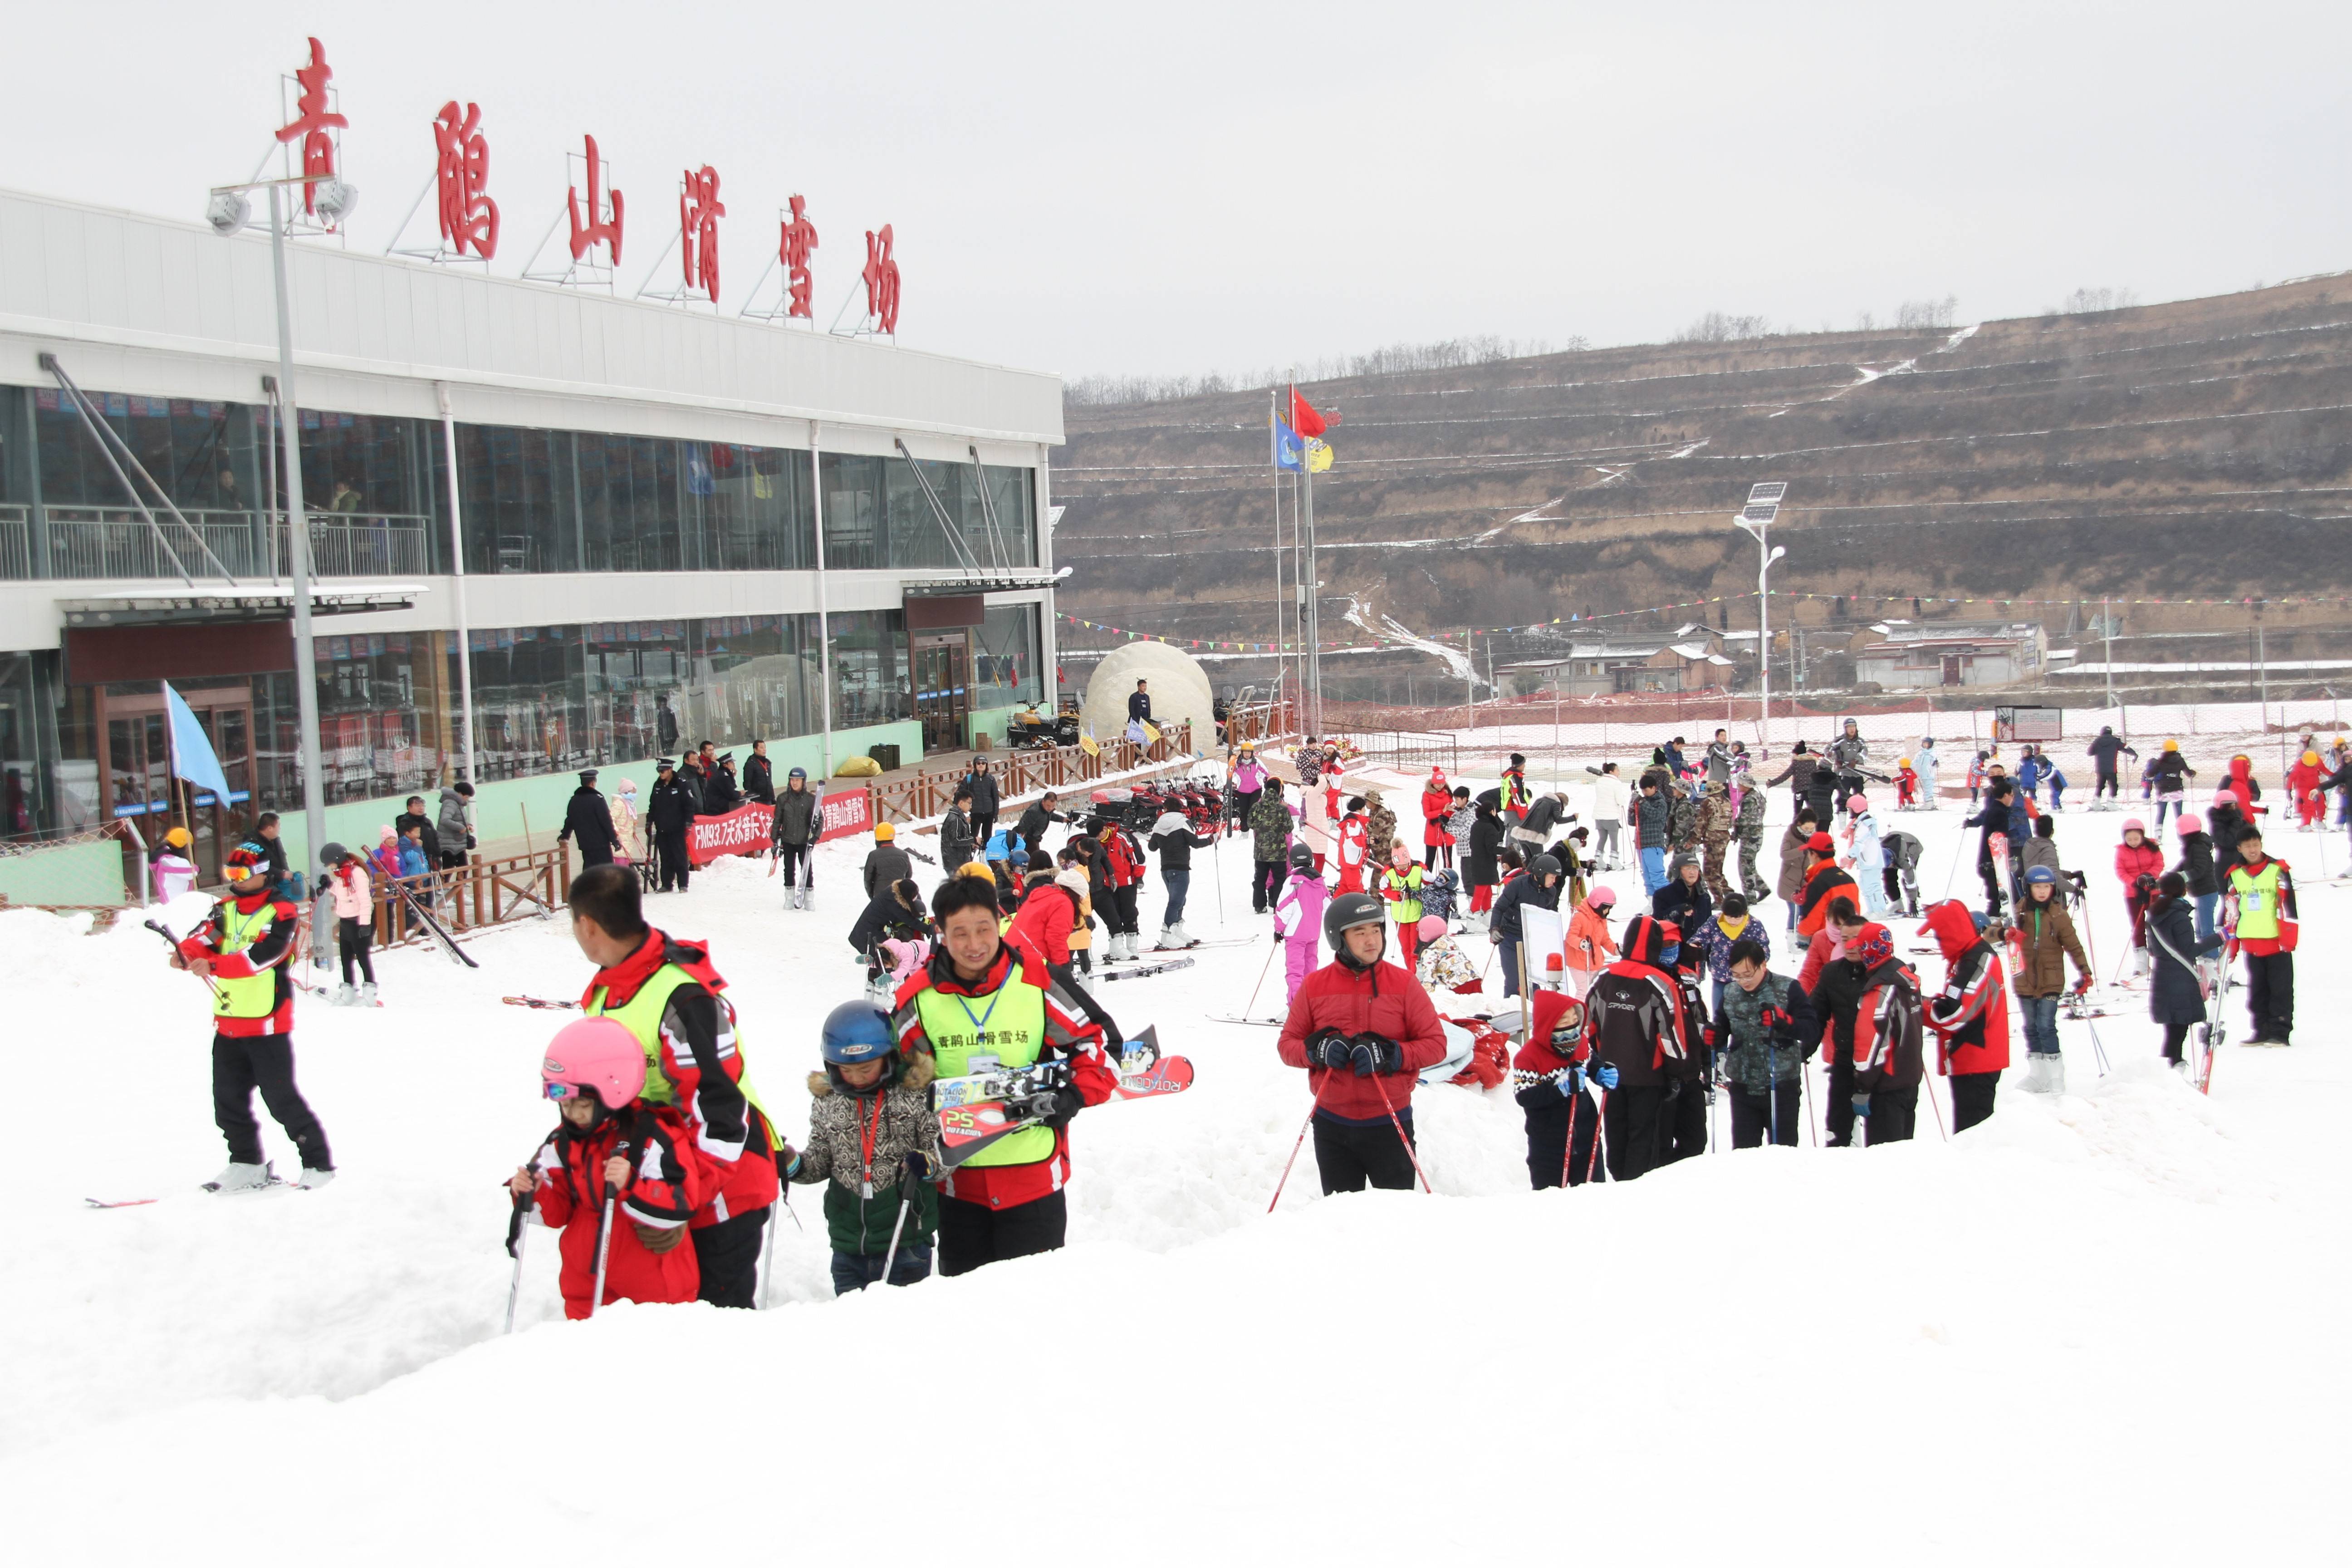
pixel 1026 772
pixel 477 894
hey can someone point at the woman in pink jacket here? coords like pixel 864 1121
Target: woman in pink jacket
pixel 1302 907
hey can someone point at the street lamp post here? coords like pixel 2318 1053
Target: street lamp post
pixel 227 213
pixel 1755 520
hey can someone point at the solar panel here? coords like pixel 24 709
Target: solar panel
pixel 1771 490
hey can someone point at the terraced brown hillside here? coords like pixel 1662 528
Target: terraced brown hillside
pixel 2192 449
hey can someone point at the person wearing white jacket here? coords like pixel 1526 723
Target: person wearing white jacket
pixel 1922 763
pixel 1610 794
pixel 1865 856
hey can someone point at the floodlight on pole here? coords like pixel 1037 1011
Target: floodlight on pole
pixel 227 211
pixel 1755 520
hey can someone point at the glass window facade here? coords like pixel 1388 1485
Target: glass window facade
pixel 1006 653
pixel 877 514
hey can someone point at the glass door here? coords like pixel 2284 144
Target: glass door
pixel 140 788
pixel 943 674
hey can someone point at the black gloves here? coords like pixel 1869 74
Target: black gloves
pixel 1328 1048
pixel 1372 1054
pixel 918 1168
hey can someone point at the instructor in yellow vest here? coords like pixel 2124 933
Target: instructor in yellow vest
pixel 2259 910
pixel 666 992
pixel 242 950
pixel 981 1004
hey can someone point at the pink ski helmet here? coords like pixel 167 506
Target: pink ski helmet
pixel 2133 824
pixel 1431 928
pixel 593 1055
pixel 1603 897
pixel 2225 797
pixel 2190 823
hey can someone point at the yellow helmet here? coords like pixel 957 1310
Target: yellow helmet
pixel 2311 759
pixel 2172 745
pixel 1902 762
pixel 178 838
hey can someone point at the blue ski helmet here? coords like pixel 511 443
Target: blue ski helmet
pixel 2040 873
pixel 857 1032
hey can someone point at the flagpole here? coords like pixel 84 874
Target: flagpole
pixel 1313 580
pixel 1274 439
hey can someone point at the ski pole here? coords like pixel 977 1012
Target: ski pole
pixel 2098 1049
pixel 1399 1132
pixel 1567 1152
pixel 1935 1107
pixel 1303 1126
pixel 1263 971
pixel 1600 1130
pixel 891 1257
pixel 518 1237
pixel 1805 1088
pixel 603 1252
pixel 767 1263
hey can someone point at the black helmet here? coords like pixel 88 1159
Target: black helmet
pixel 333 855
pixel 1543 866
pixel 1302 858
pixel 1346 912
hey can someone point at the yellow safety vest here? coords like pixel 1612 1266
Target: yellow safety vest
pixel 641 1015
pixel 1408 908
pixel 2257 902
pixel 252 996
pixel 1005 1028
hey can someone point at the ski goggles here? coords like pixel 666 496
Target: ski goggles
pixel 557 1090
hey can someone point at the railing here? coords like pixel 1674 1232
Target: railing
pixel 1261 721
pixel 16 545
pixel 1029 771
pixel 477 894
pixel 1409 748
pixel 115 542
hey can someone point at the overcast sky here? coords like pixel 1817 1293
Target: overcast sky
pixel 1155 189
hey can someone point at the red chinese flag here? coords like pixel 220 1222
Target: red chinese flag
pixel 1302 418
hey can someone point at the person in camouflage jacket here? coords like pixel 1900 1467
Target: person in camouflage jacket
pixel 1764 1061
pixel 1713 829
pixel 1749 829
pixel 1269 826
pixel 1682 823
pixel 1381 826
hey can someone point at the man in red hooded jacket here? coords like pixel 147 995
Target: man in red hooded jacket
pixel 1362 1028
pixel 1970 1015
pixel 668 995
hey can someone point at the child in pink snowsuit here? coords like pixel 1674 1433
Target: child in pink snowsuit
pixel 1302 905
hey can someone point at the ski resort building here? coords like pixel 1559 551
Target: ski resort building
pixel 1908 656
pixel 548 529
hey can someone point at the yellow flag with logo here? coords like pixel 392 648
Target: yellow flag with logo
pixel 1319 456
pixel 1088 745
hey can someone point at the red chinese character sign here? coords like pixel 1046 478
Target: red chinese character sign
pixel 314 117
pixel 603 223
pixel 881 277
pixel 793 250
pixel 699 212
pixel 470 218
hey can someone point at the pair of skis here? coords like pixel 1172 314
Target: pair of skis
pixel 978 1109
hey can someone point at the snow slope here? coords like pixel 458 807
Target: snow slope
pixel 2101 1327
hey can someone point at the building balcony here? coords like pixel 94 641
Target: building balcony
pixel 85 543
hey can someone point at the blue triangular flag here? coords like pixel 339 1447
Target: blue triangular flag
pixel 192 757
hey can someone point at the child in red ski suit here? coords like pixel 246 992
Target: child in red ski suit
pixel 644 1157
pixel 1354 838
pixel 2137 857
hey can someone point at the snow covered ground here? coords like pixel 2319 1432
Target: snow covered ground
pixel 2101 1327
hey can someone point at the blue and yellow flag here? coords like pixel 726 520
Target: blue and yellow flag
pixel 1288 451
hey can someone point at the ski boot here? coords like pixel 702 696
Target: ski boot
pixel 344 995
pixel 367 994
pixel 241 1179
pixel 311 1180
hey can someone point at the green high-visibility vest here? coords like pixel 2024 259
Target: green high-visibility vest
pixel 2257 902
pixel 252 996
pixel 1006 1027
pixel 641 1015
pixel 1408 908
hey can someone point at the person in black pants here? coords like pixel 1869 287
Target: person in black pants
pixel 1548 1083
pixel 1992 819
pixel 1269 825
pixel 1836 996
pixel 670 810
pixel 985 800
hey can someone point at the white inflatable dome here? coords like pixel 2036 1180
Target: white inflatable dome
pixel 1180 692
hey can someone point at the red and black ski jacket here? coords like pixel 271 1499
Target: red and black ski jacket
pixel 1634 1017
pixel 704 1068
pixel 1971 1015
pixel 266 953
pixel 1887 1030
pixel 1536 1070
pixel 1821 884
pixel 667 1183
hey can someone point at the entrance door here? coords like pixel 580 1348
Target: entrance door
pixel 1951 669
pixel 943 671
pixel 136 762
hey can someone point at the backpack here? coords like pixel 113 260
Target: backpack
pixel 1437 895
pixel 1492 799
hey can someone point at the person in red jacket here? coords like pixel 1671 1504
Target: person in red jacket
pixel 1436 813
pixel 1362 1028
pixel 1124 871
pixel 2302 788
pixel 981 1002
pixel 1887 1059
pixel 1970 1015
pixel 618 1176
pixel 1822 879
pixel 2138 864
pixel 1355 834
pixel 666 994
pixel 1634 1023
pixel 1547 1079
pixel 241 951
